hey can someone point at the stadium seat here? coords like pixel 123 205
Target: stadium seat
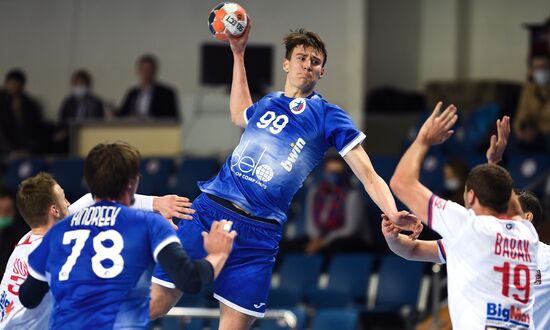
pixel 69 174
pixel 298 274
pixel 397 293
pixel 20 169
pixel 347 283
pixel 529 171
pixel 473 159
pixel 154 175
pixel 301 317
pixel 189 172
pixel 399 283
pixel 341 319
pixel 431 173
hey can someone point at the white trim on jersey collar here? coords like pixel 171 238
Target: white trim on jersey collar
pixel 165 284
pixel 245 116
pixel 237 307
pixel 163 244
pixel 352 144
pixel 36 274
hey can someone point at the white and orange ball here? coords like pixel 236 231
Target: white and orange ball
pixel 227 19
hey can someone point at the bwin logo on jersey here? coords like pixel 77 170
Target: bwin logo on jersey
pixel 294 153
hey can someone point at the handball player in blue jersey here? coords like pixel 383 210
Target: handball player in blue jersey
pixel 98 262
pixel 286 134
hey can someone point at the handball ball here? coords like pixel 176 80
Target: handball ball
pixel 227 19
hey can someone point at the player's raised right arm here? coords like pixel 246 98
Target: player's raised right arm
pixel 240 98
pixel 405 182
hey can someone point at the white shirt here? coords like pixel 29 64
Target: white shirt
pixel 13 315
pixel 491 265
pixel 542 288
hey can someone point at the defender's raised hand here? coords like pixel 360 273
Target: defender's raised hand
pixel 498 142
pixel 406 221
pixel 437 128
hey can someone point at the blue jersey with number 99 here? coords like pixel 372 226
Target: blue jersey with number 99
pixel 284 140
pixel 98 264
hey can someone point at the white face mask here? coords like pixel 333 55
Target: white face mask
pixel 80 91
pixel 451 184
pixel 541 76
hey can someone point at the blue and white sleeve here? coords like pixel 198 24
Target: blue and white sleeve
pixel 38 259
pixel 340 131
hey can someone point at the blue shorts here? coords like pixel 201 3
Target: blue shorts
pixel 244 282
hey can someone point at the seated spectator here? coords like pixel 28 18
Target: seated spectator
pixel 79 106
pixel 149 99
pixel 335 221
pixel 12 227
pixel 532 119
pixel 21 122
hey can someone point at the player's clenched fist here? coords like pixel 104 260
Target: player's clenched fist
pixel 220 238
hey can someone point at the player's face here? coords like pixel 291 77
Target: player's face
pixel 304 68
pixel 61 201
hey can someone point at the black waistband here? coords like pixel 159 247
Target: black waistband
pixel 227 204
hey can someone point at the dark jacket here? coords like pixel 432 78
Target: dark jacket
pixel 163 103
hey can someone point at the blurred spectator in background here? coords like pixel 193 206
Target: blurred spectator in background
pixel 21 122
pixel 532 119
pixel 79 106
pixel 12 227
pixel 149 99
pixel 455 172
pixel 335 221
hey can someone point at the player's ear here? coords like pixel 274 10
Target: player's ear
pixel 322 73
pixel 470 197
pixel 286 65
pixel 528 216
pixel 54 211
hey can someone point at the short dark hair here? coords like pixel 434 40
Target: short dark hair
pixel 530 203
pixel 34 197
pixel 306 38
pixel 492 185
pixel 110 167
pixel 83 75
pixel 16 74
pixel 149 58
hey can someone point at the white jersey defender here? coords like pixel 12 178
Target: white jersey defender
pixel 13 315
pixel 491 267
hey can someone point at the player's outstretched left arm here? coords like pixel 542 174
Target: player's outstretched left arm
pixel 378 190
pixel 415 250
pixel 405 182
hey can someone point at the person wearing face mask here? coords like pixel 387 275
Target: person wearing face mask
pixel 334 212
pixel 532 119
pixel 12 227
pixel 455 172
pixel 80 105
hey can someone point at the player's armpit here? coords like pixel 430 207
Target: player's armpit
pixel 162 300
pixel 32 291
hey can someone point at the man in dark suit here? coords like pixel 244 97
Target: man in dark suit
pixel 149 99
pixel 22 126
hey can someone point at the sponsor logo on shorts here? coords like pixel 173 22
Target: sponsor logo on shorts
pixel 6 306
pixel 294 153
pixel 297 106
pixel 496 313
